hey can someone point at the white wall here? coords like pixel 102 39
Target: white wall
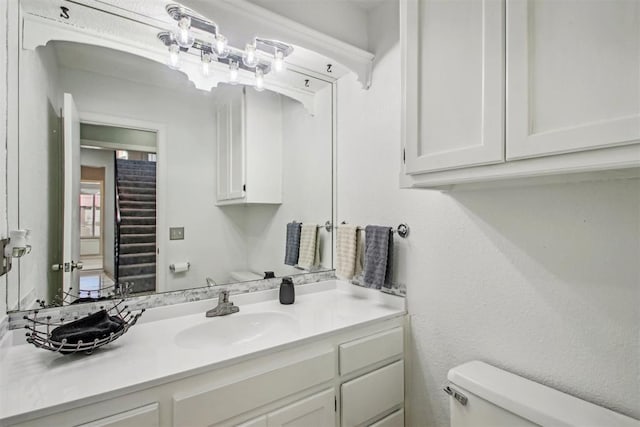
pixel 104 159
pixel 307 188
pixel 3 146
pixel 542 281
pixel 341 19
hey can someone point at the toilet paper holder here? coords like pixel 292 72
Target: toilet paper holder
pixel 172 267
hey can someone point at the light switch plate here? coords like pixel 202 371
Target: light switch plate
pixel 176 233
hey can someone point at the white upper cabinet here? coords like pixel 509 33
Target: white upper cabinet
pixel 574 75
pixel 249 147
pixel 453 55
pixel 495 90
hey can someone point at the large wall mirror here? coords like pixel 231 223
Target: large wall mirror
pixel 128 165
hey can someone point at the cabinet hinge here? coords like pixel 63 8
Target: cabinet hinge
pixel 404 156
pixel 335 404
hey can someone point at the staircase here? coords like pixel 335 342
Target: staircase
pixel 136 244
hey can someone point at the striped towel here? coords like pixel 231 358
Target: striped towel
pixel 378 256
pixel 309 247
pixel 348 251
pixel 292 249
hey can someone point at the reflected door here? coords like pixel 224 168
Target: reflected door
pixel 71 204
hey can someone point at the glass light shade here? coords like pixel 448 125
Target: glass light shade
pixel 220 46
pixel 206 64
pixel 250 57
pixel 259 80
pixel 278 61
pixel 183 35
pixel 233 72
pixel 174 57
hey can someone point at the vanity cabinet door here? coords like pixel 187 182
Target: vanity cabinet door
pixel 452 83
pixel 315 411
pixel 573 80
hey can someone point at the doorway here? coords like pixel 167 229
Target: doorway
pixel 118 211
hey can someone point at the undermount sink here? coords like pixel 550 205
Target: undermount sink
pixel 236 328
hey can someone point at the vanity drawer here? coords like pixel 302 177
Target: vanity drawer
pixel 395 419
pixel 372 394
pixel 366 351
pixel 229 400
pixel 146 416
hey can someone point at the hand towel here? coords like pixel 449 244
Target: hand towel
pixel 378 256
pixel 309 248
pixel 292 249
pixel 347 251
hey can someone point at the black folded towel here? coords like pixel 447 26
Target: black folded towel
pixel 97 325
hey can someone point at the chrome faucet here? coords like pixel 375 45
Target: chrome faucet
pixel 224 306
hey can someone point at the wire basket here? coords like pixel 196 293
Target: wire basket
pixel 40 331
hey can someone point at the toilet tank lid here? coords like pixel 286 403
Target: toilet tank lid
pixel 535 402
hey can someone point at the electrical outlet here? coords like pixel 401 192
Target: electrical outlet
pixel 176 233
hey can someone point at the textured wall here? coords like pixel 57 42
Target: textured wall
pixel 3 144
pixel 542 281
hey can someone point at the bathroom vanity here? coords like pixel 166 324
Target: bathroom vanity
pixel 335 357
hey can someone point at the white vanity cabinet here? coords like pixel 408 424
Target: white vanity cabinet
pixel 501 89
pixel 355 377
pixel 249 147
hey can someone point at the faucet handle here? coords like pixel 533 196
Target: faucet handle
pixel 223 296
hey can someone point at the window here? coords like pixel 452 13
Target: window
pixel 90 209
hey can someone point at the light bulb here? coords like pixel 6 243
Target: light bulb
pixel 278 61
pixel 250 58
pixel 184 37
pixel 174 57
pixel 220 46
pixel 206 63
pixel 259 80
pixel 233 72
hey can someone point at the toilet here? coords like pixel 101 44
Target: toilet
pixel 482 395
pixel 244 276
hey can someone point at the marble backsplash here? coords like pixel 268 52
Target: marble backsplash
pixel 16 320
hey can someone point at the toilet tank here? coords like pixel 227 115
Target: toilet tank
pixel 483 395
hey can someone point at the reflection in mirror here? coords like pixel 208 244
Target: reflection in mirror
pixel 166 175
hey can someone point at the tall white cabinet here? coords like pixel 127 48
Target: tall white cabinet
pixel 502 89
pixel 249 147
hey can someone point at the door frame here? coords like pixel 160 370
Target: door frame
pixel 161 178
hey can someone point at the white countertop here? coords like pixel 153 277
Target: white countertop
pixel 157 349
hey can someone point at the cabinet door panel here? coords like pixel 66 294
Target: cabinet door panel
pixel 223 135
pixel 314 411
pixel 453 83
pixel 573 80
pixel 237 148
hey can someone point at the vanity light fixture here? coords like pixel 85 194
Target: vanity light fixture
pixel 278 61
pixel 183 35
pixel 174 56
pixel 259 80
pixel 233 72
pixel 206 62
pixel 250 58
pixel 258 57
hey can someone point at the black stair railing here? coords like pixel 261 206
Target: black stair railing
pixel 118 221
